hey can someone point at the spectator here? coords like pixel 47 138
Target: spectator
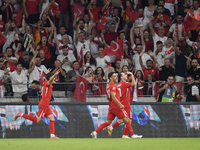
pixel 36 74
pixel 64 16
pixel 168 50
pixel 193 91
pixel 161 20
pixel 157 37
pixel 3 79
pixel 113 18
pixel 6 10
pixel 128 54
pixel 100 78
pixel 95 10
pixel 139 79
pixel 25 60
pixel 44 61
pixel 192 68
pixel 59 89
pixel 65 41
pixel 148 40
pixel 102 61
pixel 159 53
pixel 179 30
pixel 19 79
pixel 89 61
pixel 149 85
pixel 141 22
pixel 63 31
pixel 45 20
pixel 81 43
pixel 8 56
pixel 172 6
pixel 136 57
pixel 184 7
pixel 194 11
pixel 71 77
pixel 149 64
pixel 25 97
pixel 149 10
pixel 66 58
pixel 110 34
pixel 44 45
pixel 165 71
pixel 165 10
pixel 9 34
pixel 167 92
pixel 31 9
pixel 88 75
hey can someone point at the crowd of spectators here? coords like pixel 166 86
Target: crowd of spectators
pixel 51 34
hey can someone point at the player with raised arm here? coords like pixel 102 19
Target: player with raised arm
pixel 115 107
pixel 44 109
pixel 124 90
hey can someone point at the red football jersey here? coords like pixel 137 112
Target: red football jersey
pixel 124 90
pixel 46 94
pixel 113 88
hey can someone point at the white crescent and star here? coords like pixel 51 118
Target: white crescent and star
pixel 116 48
pixel 81 83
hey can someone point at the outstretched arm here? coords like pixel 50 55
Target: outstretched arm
pixel 51 80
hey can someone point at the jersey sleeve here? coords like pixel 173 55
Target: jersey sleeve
pixel 127 85
pixel 113 89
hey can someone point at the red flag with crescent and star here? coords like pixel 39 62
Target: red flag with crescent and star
pixel 80 89
pixel 42 78
pixel 80 57
pixel 116 49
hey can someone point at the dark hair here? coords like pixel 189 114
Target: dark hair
pixel 19 63
pixel 129 50
pixel 74 61
pixel 92 60
pixel 190 76
pixel 48 76
pixel 35 82
pixel 161 1
pixel 81 20
pixel 87 69
pixel 137 38
pixel 131 2
pixel 142 76
pixel 138 45
pixel 40 43
pixel 9 48
pixel 25 97
pixel 124 66
pixel 149 60
pixel 159 42
pixel 119 76
pixel 101 70
pixel 110 75
pixel 160 6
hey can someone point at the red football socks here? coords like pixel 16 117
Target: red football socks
pixel 125 131
pixel 51 127
pixel 103 125
pixel 116 124
pixel 29 117
pixel 129 128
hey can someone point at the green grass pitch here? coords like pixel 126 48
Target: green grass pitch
pixel 101 144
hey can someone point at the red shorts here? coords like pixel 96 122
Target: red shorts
pixel 129 112
pixel 44 112
pixel 120 113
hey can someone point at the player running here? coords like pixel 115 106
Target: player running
pixel 44 109
pixel 115 107
pixel 124 90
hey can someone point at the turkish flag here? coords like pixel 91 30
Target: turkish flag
pixel 80 89
pixel 12 66
pixel 115 49
pixel 53 9
pixel 108 9
pixel 3 39
pixel 177 85
pixel 101 24
pixel 19 17
pixel 42 78
pixel 190 23
pixel 80 57
pixel 132 15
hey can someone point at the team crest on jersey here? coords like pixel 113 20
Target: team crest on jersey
pixel 114 88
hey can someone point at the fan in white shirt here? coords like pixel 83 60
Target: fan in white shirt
pixel 19 79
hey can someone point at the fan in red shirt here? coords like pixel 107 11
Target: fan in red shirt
pixel 124 90
pixel 150 68
pixel 115 107
pixel 44 109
